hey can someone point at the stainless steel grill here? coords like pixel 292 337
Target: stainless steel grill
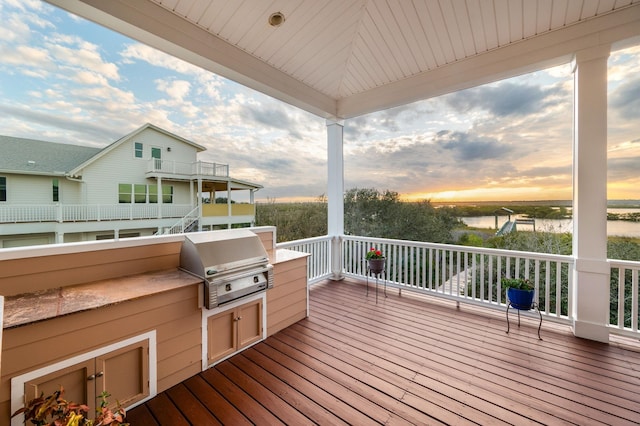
pixel 232 263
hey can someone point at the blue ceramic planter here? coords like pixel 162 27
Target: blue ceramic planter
pixel 520 299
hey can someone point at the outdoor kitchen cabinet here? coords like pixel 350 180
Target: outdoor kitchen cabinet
pixel 123 373
pixel 233 329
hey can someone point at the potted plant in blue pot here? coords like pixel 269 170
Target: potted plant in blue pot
pixel 520 292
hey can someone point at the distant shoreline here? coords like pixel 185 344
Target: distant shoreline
pixel 619 204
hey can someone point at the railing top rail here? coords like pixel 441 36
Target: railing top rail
pixel 285 244
pixel 469 249
pixel 624 263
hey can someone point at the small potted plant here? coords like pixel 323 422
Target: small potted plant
pixel 376 260
pixel 519 292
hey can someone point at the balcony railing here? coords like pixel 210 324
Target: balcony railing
pixel 187 169
pixel 91 212
pixel 319 264
pixel 237 209
pixel 472 275
pixel 625 291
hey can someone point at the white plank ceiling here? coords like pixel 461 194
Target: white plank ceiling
pixel 336 55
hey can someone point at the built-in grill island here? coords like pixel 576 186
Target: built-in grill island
pixel 232 264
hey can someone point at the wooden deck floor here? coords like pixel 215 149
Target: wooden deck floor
pixel 408 360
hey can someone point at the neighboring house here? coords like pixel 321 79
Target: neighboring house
pixel 148 182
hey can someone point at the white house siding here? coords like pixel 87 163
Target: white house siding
pixel 28 189
pixel 34 189
pixel 120 166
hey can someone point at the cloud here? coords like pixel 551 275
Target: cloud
pixel 176 89
pixel 272 115
pixel 626 99
pixel 623 168
pixel 504 99
pixel 467 147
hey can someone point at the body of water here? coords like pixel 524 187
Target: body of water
pixel 620 228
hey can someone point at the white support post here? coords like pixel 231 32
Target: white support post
pixel 229 210
pixel 591 271
pixel 335 194
pixel 252 201
pixel 159 195
pixel 199 201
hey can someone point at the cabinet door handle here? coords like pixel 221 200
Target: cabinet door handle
pixel 100 374
pixel 91 377
pixel 239 318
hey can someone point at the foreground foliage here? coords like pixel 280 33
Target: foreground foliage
pixel 54 410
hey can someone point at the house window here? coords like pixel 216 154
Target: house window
pixel 3 188
pixel 140 193
pixel 138 149
pixel 124 193
pixel 156 154
pixel 56 190
pixel 167 194
pixel 153 193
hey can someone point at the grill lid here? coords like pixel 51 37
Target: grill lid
pixel 211 253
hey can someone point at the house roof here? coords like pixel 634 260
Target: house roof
pixel 77 171
pixel 344 58
pixel 30 156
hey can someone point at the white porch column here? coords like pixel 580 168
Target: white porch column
pixel 160 197
pixel 335 194
pixel 229 210
pixel 252 201
pixel 591 272
pixel 199 203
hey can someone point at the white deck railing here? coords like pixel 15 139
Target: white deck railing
pixel 468 274
pixel 91 212
pixel 319 264
pixel 625 290
pixel 188 169
pixel 472 274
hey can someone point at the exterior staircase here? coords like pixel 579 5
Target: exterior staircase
pixel 188 223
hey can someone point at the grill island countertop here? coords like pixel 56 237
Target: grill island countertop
pixel 42 305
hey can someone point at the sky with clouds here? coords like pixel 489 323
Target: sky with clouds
pixel 64 79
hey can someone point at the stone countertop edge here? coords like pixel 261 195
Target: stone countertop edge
pixel 27 308
pixel 285 255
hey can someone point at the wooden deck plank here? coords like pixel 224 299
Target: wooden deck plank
pixel 307 406
pixel 249 407
pixel 342 409
pixel 285 412
pixel 224 411
pixel 413 359
pixel 165 412
pixel 195 412
pixel 344 388
pixel 141 416
pixel 375 324
pixel 360 378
